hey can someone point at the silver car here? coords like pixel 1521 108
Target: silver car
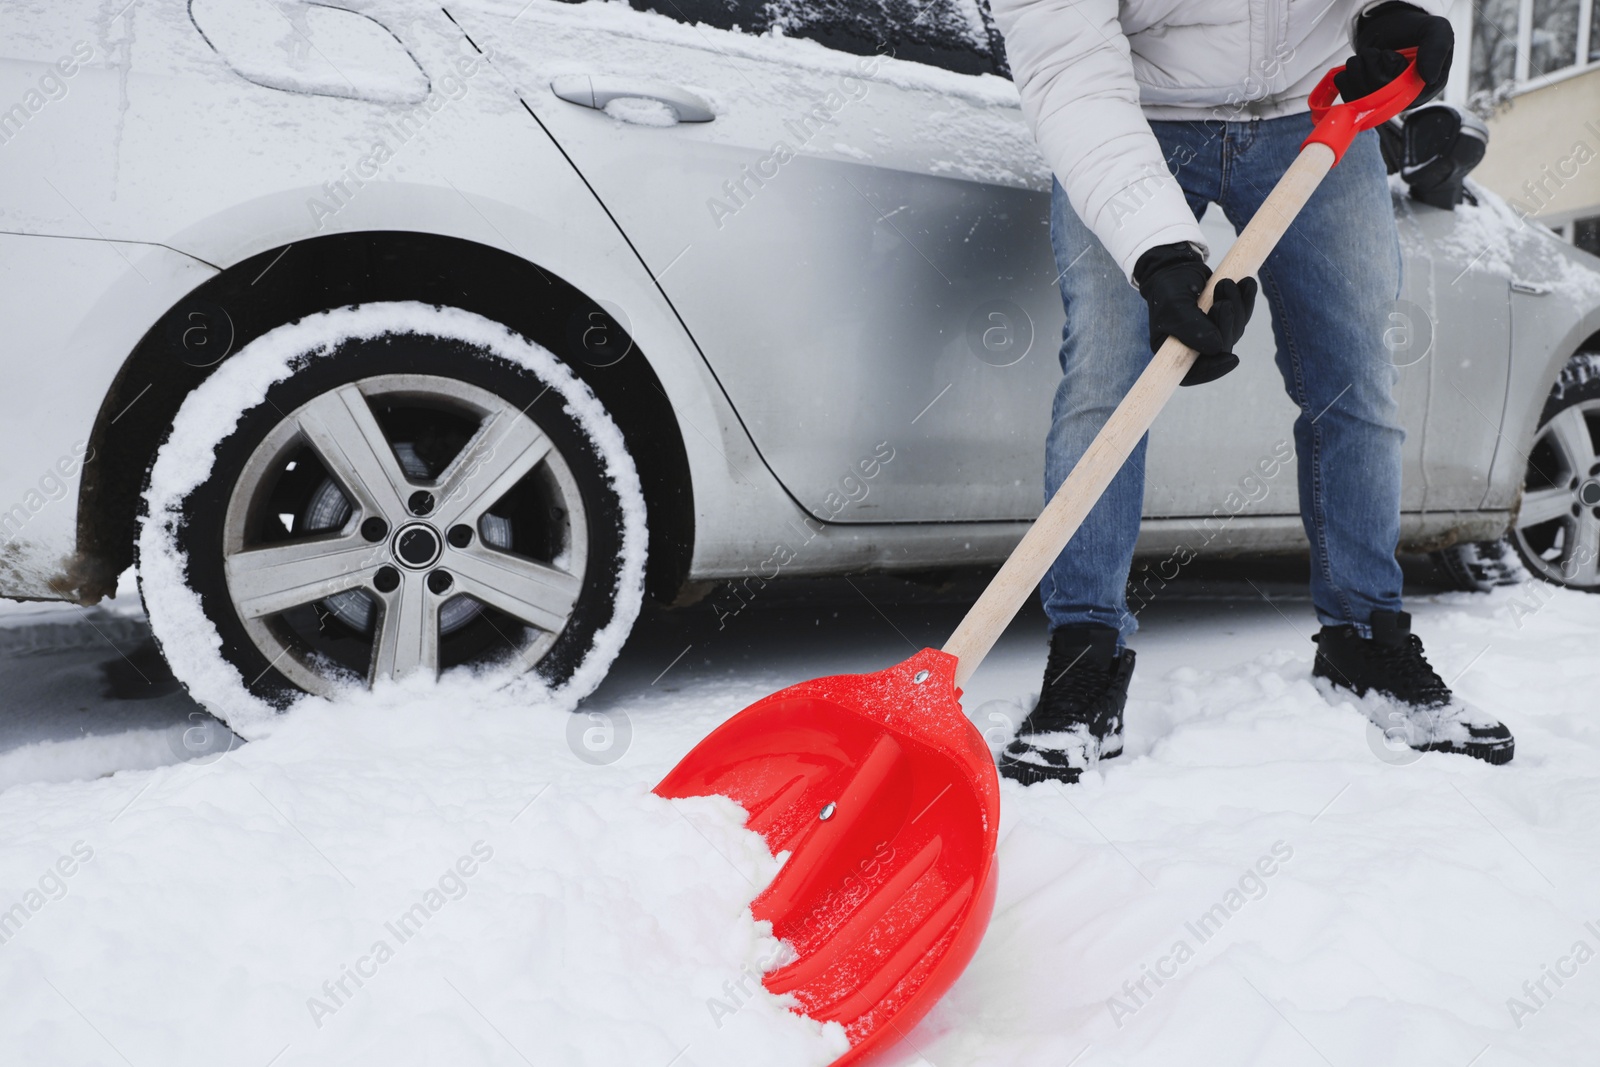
pixel 801 262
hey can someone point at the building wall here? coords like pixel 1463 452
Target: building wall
pixel 1544 150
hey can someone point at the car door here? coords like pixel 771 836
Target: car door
pixel 858 243
pixel 1207 450
pixel 1459 298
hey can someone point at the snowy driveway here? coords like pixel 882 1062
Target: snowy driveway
pixel 434 876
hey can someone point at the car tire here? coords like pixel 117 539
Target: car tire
pixel 1556 533
pixel 1479 566
pixel 388 490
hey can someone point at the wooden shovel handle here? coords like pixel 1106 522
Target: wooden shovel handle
pixel 1060 519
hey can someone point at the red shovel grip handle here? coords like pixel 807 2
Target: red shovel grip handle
pixel 1338 124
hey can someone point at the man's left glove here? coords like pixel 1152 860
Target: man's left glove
pixel 1380 34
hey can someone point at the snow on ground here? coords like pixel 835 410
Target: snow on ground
pixel 56 721
pixel 1407 899
pixel 1257 881
pixel 425 876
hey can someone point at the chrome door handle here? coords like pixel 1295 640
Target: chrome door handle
pixel 597 91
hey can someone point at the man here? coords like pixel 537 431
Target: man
pixel 1148 111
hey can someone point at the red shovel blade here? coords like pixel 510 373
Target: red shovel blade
pixel 887 800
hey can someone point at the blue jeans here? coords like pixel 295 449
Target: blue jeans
pixel 1329 284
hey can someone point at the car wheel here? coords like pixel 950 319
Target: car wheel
pixel 391 490
pixel 1557 528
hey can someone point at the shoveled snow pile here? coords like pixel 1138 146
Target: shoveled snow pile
pixel 79 758
pixel 426 876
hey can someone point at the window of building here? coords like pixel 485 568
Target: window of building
pixel 1586 234
pixel 1515 42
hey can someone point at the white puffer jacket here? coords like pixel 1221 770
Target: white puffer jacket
pixel 1091 72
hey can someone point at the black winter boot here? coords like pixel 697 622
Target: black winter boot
pixel 1078 720
pixel 1402 694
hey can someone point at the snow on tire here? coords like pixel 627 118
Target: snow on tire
pixel 383 491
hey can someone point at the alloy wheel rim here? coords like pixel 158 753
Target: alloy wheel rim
pixel 1558 522
pixel 425 473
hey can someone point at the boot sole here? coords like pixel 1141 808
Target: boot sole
pixel 1494 753
pixel 1034 773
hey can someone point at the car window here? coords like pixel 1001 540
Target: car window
pixel 957 35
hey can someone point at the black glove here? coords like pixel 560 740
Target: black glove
pixel 1170 278
pixel 1380 33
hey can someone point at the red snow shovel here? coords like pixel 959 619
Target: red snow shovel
pixel 881 791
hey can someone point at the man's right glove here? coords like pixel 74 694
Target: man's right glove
pixel 1171 278
pixel 1379 36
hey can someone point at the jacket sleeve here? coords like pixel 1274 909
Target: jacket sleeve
pixel 1072 68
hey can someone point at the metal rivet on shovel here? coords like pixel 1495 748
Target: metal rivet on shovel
pixel 890 910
